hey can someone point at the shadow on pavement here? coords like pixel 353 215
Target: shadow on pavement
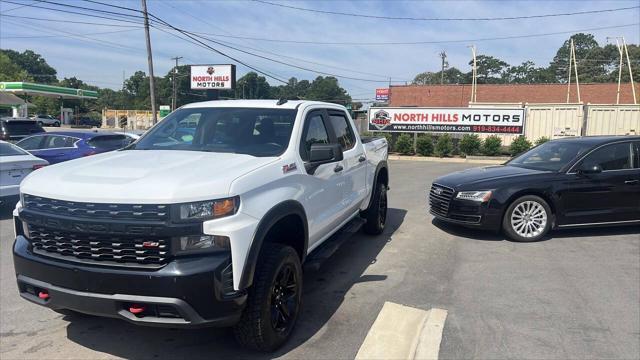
pixel 324 292
pixel 477 234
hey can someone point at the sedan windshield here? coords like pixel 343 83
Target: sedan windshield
pixel 550 156
pixel 10 150
pixel 253 131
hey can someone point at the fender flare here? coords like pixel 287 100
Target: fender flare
pixel 276 213
pixel 381 165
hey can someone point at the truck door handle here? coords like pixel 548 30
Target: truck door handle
pixel 362 158
pixel 338 168
pixel 632 182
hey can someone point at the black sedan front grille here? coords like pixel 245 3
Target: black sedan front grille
pixel 108 249
pixel 439 199
pixel 96 210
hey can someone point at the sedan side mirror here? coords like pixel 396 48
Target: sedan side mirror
pixel 323 154
pixel 590 169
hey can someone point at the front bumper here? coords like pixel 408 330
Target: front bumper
pixel 471 214
pixel 186 292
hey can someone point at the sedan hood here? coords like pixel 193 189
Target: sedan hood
pixel 488 174
pixel 143 176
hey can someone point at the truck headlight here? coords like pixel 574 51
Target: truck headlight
pixel 480 196
pixel 211 209
pixel 200 243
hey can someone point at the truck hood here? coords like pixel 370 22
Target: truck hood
pixel 488 175
pixel 143 176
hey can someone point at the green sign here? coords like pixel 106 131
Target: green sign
pixel 164 110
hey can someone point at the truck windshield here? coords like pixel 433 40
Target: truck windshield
pixel 550 156
pixel 252 131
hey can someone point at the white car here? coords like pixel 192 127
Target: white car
pixel 205 220
pixel 46 120
pixel 15 165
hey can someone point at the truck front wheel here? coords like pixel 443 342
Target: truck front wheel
pixel 274 300
pixel 376 213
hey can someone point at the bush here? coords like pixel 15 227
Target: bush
pixel 542 140
pixel 519 145
pixel 404 144
pixel 444 146
pixel 491 145
pixel 424 145
pixel 470 144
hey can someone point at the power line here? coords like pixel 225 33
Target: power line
pixel 70 21
pixel 451 41
pixel 67 36
pixel 380 17
pixel 19 7
pixel 71 12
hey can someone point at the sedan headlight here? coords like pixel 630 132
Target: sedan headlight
pixel 211 209
pixel 480 196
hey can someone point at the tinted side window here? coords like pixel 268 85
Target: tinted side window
pixel 315 133
pixel 57 141
pixel 636 161
pixel 109 142
pixel 343 131
pixel 610 157
pixel 30 143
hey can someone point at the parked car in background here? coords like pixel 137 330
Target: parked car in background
pixel 15 129
pixel 59 146
pixel 46 120
pixel 571 182
pixel 87 121
pixel 15 165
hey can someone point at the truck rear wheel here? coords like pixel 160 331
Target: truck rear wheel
pixel 274 300
pixel 376 214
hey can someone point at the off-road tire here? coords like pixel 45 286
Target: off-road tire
pixel 508 228
pixel 255 329
pixel 376 213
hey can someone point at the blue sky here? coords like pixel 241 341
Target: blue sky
pixel 100 59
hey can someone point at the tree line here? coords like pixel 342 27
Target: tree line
pixel 32 67
pixel 595 64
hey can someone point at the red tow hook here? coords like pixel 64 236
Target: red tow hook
pixel 44 295
pixel 136 309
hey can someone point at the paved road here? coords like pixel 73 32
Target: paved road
pixel 574 296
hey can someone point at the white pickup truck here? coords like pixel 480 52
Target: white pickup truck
pixel 203 221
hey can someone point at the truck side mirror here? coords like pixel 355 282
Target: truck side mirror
pixel 323 154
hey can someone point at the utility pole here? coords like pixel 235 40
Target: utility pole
pixel 623 50
pixel 573 62
pixel 443 55
pixel 474 74
pixel 174 97
pixel 152 89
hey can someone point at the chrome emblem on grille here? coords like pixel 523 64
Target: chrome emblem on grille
pixel 437 191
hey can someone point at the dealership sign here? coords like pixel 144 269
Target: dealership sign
pixel 205 77
pixel 382 94
pixel 451 120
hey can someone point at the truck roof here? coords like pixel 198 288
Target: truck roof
pixel 273 104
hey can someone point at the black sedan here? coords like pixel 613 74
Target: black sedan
pixel 571 182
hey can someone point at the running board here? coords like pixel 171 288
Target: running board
pixel 331 245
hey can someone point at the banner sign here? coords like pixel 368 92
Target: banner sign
pixel 382 94
pixel 451 120
pixel 205 77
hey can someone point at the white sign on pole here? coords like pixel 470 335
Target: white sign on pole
pixel 452 120
pixel 205 77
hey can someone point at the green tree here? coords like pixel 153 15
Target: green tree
pixel 470 144
pixel 34 64
pixel 541 140
pixel 490 69
pixel 404 145
pixel 327 89
pixel 451 76
pixel 10 71
pixel 586 49
pixel 424 145
pixel 444 146
pixel 253 86
pixel 491 145
pixel 519 145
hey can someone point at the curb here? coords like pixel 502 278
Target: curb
pixel 469 160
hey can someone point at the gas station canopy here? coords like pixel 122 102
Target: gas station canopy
pixel 58 92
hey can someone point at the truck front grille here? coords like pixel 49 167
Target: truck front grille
pixel 96 210
pixel 107 249
pixel 439 199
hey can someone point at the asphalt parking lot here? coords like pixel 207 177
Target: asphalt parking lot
pixel 575 295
